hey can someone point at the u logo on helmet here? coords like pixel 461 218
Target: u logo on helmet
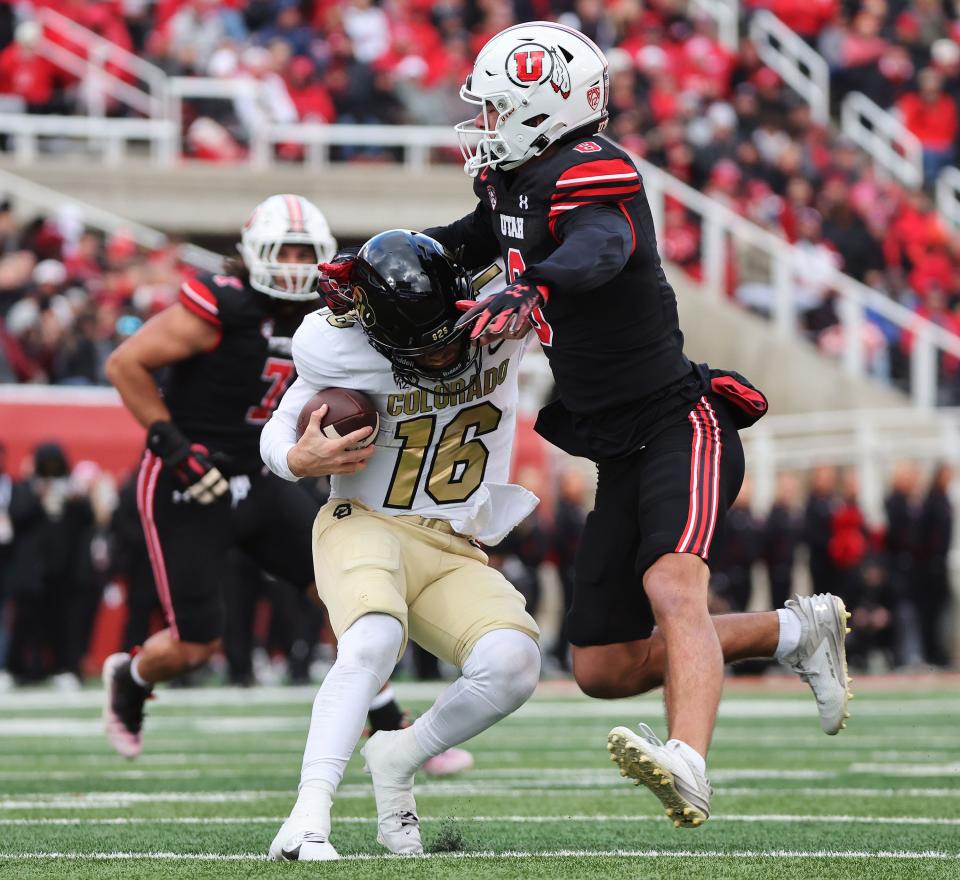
pixel 528 64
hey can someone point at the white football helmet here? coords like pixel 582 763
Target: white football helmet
pixel 280 220
pixel 544 80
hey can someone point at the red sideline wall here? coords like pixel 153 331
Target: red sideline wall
pixel 90 423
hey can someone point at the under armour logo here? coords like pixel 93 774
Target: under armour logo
pixel 342 510
pixel 524 204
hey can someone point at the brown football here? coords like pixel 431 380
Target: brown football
pixel 347 411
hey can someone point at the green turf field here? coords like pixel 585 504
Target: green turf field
pixel 220 767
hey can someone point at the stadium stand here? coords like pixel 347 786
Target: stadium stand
pixel 717 117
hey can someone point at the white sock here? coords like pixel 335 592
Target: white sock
pixel 366 655
pixel 499 676
pixel 692 756
pixel 790 633
pixel 135 673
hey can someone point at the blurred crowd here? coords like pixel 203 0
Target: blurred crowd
pixel 72 552
pixel 69 296
pixel 893 577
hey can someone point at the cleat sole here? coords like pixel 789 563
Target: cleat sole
pixel 641 769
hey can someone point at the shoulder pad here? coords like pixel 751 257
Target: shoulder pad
pixel 593 177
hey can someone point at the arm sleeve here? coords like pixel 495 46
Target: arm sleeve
pixel 473 233
pixel 596 242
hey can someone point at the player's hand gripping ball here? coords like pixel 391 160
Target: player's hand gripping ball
pixel 347 411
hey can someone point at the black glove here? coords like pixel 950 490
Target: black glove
pixel 505 313
pixel 188 462
pixel 333 283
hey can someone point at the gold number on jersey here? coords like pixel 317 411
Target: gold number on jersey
pixel 459 464
pixel 416 435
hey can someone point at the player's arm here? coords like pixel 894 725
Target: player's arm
pixel 470 238
pixel 595 243
pixel 176 334
pixel 596 239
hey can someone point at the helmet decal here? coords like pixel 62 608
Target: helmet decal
pixel 531 64
pixel 361 305
pixel 526 64
pixel 593 97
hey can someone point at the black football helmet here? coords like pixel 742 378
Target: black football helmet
pixel 405 288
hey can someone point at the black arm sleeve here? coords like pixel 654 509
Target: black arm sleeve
pixel 596 244
pixel 473 233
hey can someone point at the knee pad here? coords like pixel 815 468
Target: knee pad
pixel 372 643
pixel 506 664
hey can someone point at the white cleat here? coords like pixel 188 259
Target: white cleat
pixel 821 657
pixel 307 846
pixel 682 789
pixel 397 820
pixel 305 836
pixel 448 763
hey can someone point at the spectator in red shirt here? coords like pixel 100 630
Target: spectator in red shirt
pixel 312 100
pixel 24 73
pixel 932 117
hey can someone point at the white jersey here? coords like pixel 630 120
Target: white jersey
pixel 442 454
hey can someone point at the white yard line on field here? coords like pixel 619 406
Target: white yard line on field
pixel 938 855
pixel 117 799
pixel 575 707
pixel 498 780
pixel 522 819
pixel 513 777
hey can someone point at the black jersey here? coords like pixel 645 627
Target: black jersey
pixel 614 348
pixel 222 398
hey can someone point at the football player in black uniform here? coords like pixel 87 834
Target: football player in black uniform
pixel 202 487
pixel 566 211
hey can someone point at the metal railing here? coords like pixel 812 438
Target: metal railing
pixel 726 16
pixel 88 61
pixel 893 147
pixel 801 67
pixel 97 218
pixel 870 440
pixel 109 138
pixel 722 228
pixel 416 142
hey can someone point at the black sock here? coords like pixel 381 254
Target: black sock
pixel 386 717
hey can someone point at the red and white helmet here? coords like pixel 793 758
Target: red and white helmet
pixel 280 220
pixel 544 80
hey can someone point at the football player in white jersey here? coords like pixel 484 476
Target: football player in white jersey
pixel 396 548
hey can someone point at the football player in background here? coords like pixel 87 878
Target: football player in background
pixel 566 210
pixel 395 547
pixel 202 487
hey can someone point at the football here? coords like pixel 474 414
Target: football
pixel 347 411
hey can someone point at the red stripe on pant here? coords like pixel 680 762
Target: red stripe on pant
pixel 146 495
pixel 704 481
